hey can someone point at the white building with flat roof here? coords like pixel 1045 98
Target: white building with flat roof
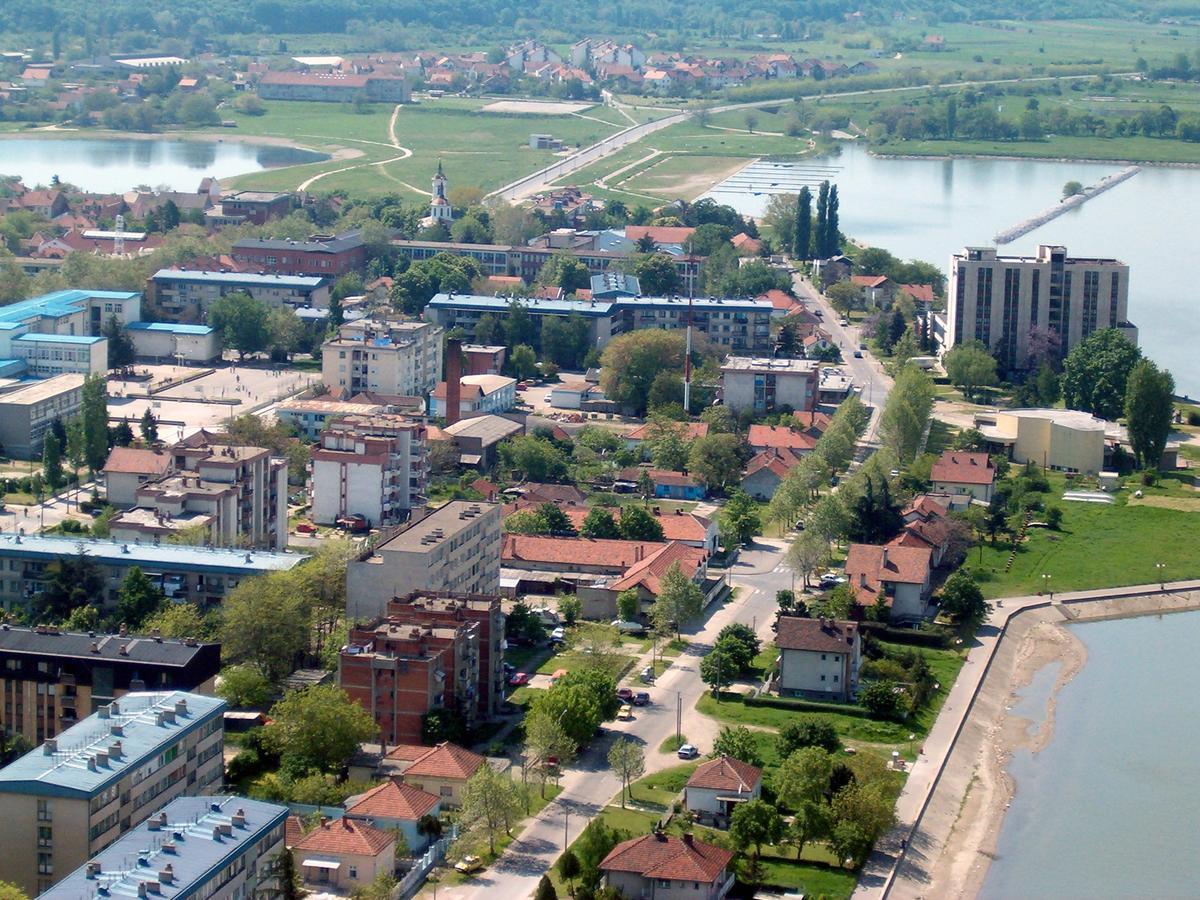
pixel 370 466
pixel 27 412
pixel 764 385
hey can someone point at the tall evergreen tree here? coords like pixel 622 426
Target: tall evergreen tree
pixel 95 421
pixel 831 224
pixel 822 220
pixel 803 237
pixel 52 467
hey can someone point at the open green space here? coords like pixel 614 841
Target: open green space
pixel 686 176
pixel 1098 545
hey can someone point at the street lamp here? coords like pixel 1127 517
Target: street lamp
pixel 1162 586
pixel 1046 586
pixel 566 820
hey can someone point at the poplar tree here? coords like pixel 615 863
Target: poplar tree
pixel 822 219
pixel 803 239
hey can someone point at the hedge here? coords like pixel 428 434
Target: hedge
pixel 936 640
pixel 800 705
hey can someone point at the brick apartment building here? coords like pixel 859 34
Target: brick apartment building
pixel 321 254
pixel 257 207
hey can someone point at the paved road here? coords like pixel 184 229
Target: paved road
pixel 589 786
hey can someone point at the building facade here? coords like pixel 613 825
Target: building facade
pixel 175 342
pixel 818 658
pixel 371 466
pixel 333 87
pixel 184 296
pixel 257 207
pixel 27 413
pixel 384 357
pixel 322 254
pixel 76 794
pixel 765 385
pixel 1003 301
pixel 478 395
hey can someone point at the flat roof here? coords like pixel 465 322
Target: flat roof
pixel 59 303
pixel 60 338
pixel 769 365
pixel 327 244
pixel 488 428
pixel 153 557
pixel 597 307
pixel 308 281
pixel 196 858
pixel 77 644
pixel 43 389
pixel 65 766
pixel 433 530
pixel 171 328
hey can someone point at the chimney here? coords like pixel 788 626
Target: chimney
pixel 687 838
pixel 885 559
pixel 453 381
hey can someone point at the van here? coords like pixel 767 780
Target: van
pixel 648 674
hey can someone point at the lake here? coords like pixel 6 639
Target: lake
pixel 929 208
pixel 115 165
pixel 1111 806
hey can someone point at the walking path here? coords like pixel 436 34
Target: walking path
pixel 405 153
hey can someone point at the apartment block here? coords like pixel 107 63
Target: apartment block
pixel 45 355
pixel 257 207
pixel 26 413
pixel 184 295
pixel 217 848
pixel 1002 301
pixel 50 679
pixel 371 466
pixel 765 385
pixel 322 254
pixel 385 357
pixel 76 794
pixel 454 548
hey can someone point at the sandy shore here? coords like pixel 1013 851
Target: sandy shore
pixel 952 849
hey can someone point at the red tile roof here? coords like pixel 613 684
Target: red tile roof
pixel 485 487
pixel 446 760
pixel 726 774
pixel 660 234
pixel 871 281
pixel 392 800
pixel 779 437
pixel 293 831
pixel 822 636
pixel 671 858
pixel 958 467
pixel 135 461
pixel 778 461
pixel 347 836
pixel 743 241
pixel 922 292
pixel 812 421
pixel 576 551
pixel 408 752
pixel 924 507
pixel 648 572
pixel 678 526
pixel 870 567
pixel 781 300
pixel 692 430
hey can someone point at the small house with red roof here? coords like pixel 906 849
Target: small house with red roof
pixel 394 806
pixel 668 868
pixel 901 574
pixel 716 788
pixel 779 437
pixel 818 658
pixel 344 854
pixel 963 473
pixel 765 472
pixel 875 291
pixel 639 437
pixel 442 771
pixel 667 484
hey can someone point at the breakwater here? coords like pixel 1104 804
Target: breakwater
pixel 1067 203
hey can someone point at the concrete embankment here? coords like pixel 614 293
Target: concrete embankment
pixel 1067 203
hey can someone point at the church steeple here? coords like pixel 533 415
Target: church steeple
pixel 439 207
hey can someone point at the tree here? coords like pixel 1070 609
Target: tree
pixel 962 598
pixel 631 361
pixel 557 521
pixel 656 274
pixel 807 553
pixel 68 583
pixel 148 426
pixel 599 523
pixel 489 330
pixel 242 321
pixel 970 367
pixel 545 739
pixel 566 271
pixel 491 803
pixel 317 729
pixel 665 391
pixel 902 424
pixel 884 699
pixel 285 333
pixel 533 458
pixel 755 823
pixel 741 643
pixel 716 460
pixel 570 608
pixel 120 346
pixel 94 412
pixel 679 600
pixel 52 467
pixel 629 605
pixel 1149 409
pixel 802 246
pixel 138 599
pixel 822 220
pixel 179 620
pixel 843 296
pixel 833 237
pixel 1071 188
pixel 667 442
pixel 737 742
pixel 523 362
pixel 265 623
pixel 545 888
pixel 798 734
pixel 718 669
pixel 627 759
pixel 639 525
pixel 1096 373
pixel 243 687
pixel 565 341
pixel 287 876
pixel 810 822
pixel 740 521
pixel 862 812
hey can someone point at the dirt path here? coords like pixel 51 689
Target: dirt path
pixel 405 153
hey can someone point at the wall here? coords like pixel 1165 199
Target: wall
pixel 802 670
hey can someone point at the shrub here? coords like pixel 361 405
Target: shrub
pixel 800 705
pixel 1054 516
pixel 1193 417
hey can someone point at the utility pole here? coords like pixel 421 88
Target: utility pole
pixel 678 716
pixel 687 358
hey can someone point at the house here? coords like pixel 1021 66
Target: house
pixel 715 789
pixel 922 293
pixel 478 437
pixel 444 771
pixel 685 527
pixel 874 291
pixel 395 806
pixel 766 384
pixel 925 525
pixel 746 245
pixel 689 431
pixel 667 485
pixel 902 574
pixel 668 868
pixel 960 472
pixel 766 471
pixel 128 468
pixel 779 437
pixel 818 658
pixel 344 854
pixel 818 342
pixel 812 422
pixel 645 577
pixel 478 394
pixel 782 302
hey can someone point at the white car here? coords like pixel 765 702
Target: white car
pixel 558 634
pixel 546 399
pixel 687 751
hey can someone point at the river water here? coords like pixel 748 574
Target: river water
pixel 1111 806
pixel 929 208
pixel 115 165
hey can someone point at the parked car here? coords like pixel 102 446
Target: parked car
pixel 625 694
pixel 625 713
pixel 647 674
pixel 858 354
pixel 862 346
pixel 687 751
pixel 468 864
pixel 306 528
pixel 626 627
pixel 830 580
pixel 354 524
pixel 508 668
pixel 641 698
pixel 519 678
pixel 558 635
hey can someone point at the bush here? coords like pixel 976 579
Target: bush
pixel 935 638
pixel 800 705
pixel 1193 417
pixel 1054 517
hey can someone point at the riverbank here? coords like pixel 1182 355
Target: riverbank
pixel 63 132
pixel 1009 155
pixel 954 840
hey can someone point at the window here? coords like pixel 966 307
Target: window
pixel 45 810
pixel 45 836
pixel 664 883
pixel 45 864
pixel 822 677
pixel 447 791
pixel 354 872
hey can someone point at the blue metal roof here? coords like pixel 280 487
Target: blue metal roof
pixel 58 303
pixel 68 767
pixel 305 281
pixel 170 327
pixel 195 857
pixel 172 557
pixel 59 338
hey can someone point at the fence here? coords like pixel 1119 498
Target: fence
pixel 415 877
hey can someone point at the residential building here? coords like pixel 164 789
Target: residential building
pixel 27 412
pixel 478 437
pixel 478 395
pixel 443 770
pixel 1001 301
pixel 369 466
pixel 310 417
pixel 688 431
pixel 174 342
pixel 669 868
pixel 326 255
pixel 687 528
pixel 128 468
pixel 50 678
pixel 1065 440
pixel 612 285
pixel 961 472
pixel 766 471
pixel 715 788
pixel 333 87
pixel 874 291
pixel 219 848
pixel 46 355
pixel 343 854
pixel 765 385
pixel 483 360
pixel 901 574
pixel 184 295
pixel 200 575
pixel 257 207
pixel 114 769
pixel 389 357
pixel 395 806
pixel 818 658
pixel 667 485
pixel 925 525
pixel 779 439
pixel 454 548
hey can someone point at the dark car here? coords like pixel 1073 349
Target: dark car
pixel 641 698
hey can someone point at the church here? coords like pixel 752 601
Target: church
pixel 439 206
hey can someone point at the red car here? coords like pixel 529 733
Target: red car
pixel 306 528
pixel 519 678
pixel 625 694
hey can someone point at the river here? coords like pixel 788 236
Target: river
pixel 929 208
pixel 1111 806
pixel 115 165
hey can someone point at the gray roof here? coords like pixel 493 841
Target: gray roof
pixel 195 858
pixel 251 278
pixel 347 241
pixel 173 557
pixel 138 648
pixel 533 304
pixel 65 768
pixel 488 429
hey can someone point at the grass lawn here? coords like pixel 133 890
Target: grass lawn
pixel 524 656
pixel 731 710
pixel 941 435
pixel 524 695
pixel 1098 545
pixel 662 789
pixel 671 744
pixel 572 660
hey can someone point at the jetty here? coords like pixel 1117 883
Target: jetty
pixel 1067 203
